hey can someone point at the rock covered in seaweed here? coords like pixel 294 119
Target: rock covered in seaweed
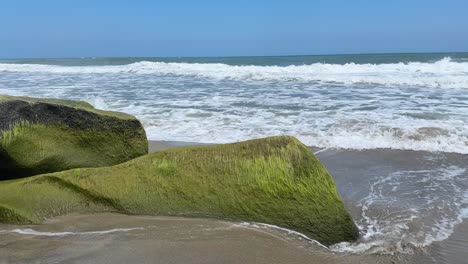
pixel 48 135
pixel 274 180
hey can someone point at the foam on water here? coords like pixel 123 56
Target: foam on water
pixel 356 106
pixel 409 210
pixel 444 73
pixel 413 106
pixel 404 212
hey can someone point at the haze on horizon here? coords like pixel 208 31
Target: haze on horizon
pixel 52 28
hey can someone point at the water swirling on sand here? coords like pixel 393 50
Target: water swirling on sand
pixel 407 211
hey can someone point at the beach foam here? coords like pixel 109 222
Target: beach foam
pixel 443 73
pixel 412 106
pixel 409 210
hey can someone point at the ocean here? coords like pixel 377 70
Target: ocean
pixel 398 101
pixel 391 128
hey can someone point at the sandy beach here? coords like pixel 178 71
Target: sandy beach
pixel 143 239
pixel 111 238
pixel 348 167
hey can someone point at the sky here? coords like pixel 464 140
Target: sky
pixel 139 28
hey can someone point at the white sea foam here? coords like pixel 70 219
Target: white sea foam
pixel 314 130
pixel 409 210
pixel 33 232
pixel 444 73
pixel 408 106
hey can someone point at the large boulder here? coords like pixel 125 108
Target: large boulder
pixel 49 135
pixel 275 180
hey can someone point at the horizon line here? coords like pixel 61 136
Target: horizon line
pixel 230 56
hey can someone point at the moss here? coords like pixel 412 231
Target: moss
pixel 39 136
pixel 38 148
pixel 274 180
pixel 11 216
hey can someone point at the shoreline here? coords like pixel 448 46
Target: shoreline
pixel 111 237
pixel 87 238
pixel 345 166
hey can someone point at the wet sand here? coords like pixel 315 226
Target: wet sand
pixel 351 170
pixel 148 239
pixel 454 249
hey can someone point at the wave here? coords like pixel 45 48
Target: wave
pixel 443 73
pixel 375 137
pixel 403 135
pixel 219 103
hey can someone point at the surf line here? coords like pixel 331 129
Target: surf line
pixel 288 231
pixel 29 231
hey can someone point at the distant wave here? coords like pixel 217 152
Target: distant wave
pixel 443 73
pixel 352 106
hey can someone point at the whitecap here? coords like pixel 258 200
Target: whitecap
pixel 443 73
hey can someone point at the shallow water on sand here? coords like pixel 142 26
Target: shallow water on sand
pixel 403 201
pixel 410 207
pixel 112 238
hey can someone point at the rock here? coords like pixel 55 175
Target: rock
pixel 49 135
pixel 276 181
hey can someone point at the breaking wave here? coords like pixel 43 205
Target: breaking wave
pixel 443 73
pixel 352 106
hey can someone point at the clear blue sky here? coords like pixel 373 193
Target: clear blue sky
pixel 69 28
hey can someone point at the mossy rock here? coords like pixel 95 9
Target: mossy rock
pixel 49 135
pixel 274 180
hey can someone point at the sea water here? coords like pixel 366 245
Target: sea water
pixel 398 101
pixel 392 128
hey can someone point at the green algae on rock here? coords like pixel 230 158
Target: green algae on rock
pixel 49 135
pixel 274 180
